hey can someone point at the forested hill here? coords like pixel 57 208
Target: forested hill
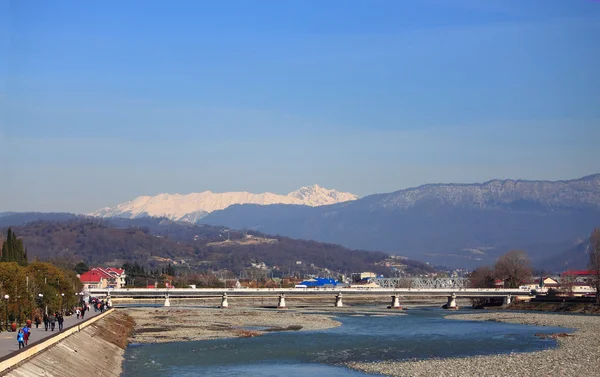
pixel 157 242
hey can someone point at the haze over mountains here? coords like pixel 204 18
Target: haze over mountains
pixel 457 225
pixel 192 207
pixel 452 224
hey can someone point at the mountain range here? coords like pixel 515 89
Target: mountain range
pixel 456 225
pixel 193 207
pixel 450 224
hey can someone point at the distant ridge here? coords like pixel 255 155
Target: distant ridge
pixel 192 207
pixel 449 224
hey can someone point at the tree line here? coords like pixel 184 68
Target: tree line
pixel 514 268
pixel 29 289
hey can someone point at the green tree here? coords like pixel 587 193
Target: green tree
pixel 13 250
pixel 81 267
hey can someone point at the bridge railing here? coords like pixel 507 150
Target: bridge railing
pixel 423 283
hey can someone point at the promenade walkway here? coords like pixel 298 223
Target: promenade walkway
pixel 8 340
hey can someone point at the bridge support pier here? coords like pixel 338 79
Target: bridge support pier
pixel 224 303
pixel 507 300
pixel 281 301
pixel 395 302
pixel 338 300
pixel 167 301
pixel 451 305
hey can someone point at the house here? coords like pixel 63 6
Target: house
pixel 103 277
pixel 578 282
pixel 579 276
pixel 93 280
pixel 542 283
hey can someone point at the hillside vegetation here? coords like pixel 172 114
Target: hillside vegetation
pixel 157 242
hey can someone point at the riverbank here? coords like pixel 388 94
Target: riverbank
pixel 558 307
pixel 171 324
pixel 97 349
pixel 577 354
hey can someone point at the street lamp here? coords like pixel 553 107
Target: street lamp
pixel 62 297
pixel 19 306
pixel 6 297
pixel 41 298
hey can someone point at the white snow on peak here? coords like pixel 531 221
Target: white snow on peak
pixel 192 207
pixel 318 196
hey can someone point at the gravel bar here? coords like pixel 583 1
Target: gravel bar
pixel 576 355
pixel 159 325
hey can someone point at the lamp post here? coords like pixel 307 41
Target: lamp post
pixel 6 297
pixel 41 300
pixel 62 297
pixel 19 306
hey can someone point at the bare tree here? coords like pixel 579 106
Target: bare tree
pixel 482 277
pixel 595 261
pixel 513 267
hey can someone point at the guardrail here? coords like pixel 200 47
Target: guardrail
pixel 213 292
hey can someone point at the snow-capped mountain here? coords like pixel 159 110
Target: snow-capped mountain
pixel 192 207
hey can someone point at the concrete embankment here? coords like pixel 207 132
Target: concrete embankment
pixel 97 349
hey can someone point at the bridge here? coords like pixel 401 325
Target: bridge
pixel 422 283
pixel 281 293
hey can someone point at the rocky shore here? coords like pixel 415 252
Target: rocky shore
pixel 576 355
pixel 157 325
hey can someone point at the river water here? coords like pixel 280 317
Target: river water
pixel 421 333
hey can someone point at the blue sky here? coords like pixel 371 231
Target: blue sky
pixel 104 101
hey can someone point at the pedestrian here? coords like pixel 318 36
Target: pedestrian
pixel 52 320
pixel 21 339
pixel 26 334
pixel 83 309
pixel 60 321
pixel 78 312
pixel 46 321
pixel 37 321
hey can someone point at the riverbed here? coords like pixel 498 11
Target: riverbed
pixel 577 354
pixel 367 340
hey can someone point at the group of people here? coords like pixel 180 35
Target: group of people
pixel 23 336
pixel 100 305
pixel 50 322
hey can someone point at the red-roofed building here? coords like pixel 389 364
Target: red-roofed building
pixel 579 276
pixel 103 277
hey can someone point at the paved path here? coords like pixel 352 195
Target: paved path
pixel 8 340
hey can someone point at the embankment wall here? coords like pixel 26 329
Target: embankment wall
pixel 96 349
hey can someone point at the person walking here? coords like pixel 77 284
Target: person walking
pixel 52 320
pixel 26 332
pixel 37 321
pixel 46 321
pixel 21 339
pixel 83 309
pixel 78 312
pixel 60 320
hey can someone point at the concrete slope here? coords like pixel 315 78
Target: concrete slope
pixel 98 348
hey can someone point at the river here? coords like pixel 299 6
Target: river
pixel 421 333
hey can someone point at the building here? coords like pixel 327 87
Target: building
pixel 578 276
pixel 319 282
pixel 93 280
pixel 103 277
